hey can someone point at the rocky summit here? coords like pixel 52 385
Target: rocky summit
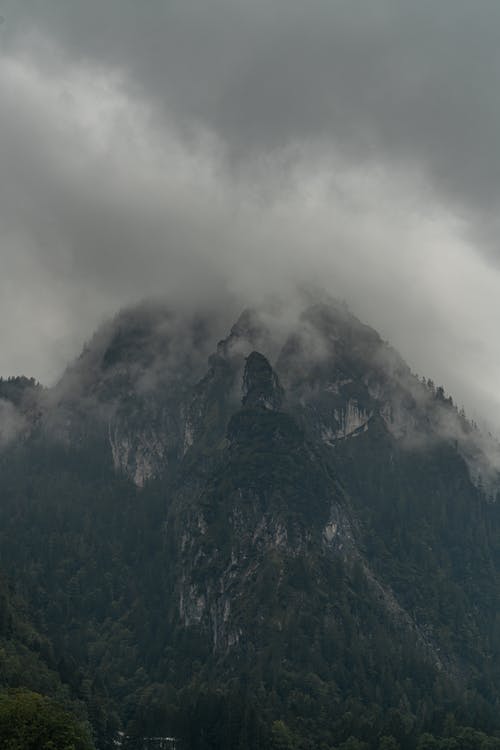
pixel 282 540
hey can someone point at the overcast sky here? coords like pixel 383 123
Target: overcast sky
pixel 219 151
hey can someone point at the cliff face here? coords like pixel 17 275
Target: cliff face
pixel 289 506
pixel 143 380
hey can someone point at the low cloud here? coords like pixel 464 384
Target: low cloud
pixel 219 154
pixel 12 423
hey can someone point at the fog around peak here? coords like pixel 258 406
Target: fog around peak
pixel 220 154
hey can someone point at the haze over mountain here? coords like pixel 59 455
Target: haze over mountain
pixel 281 539
pixel 225 151
pixel 232 514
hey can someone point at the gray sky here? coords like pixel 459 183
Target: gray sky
pixel 219 151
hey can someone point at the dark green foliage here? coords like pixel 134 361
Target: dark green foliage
pixel 269 588
pixel 29 721
pixel 319 648
pixel 26 657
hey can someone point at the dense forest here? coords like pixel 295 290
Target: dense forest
pixel 299 555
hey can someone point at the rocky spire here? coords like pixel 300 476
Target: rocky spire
pixel 261 387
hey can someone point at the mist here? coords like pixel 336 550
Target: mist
pixel 219 156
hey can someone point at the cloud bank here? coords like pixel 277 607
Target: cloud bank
pixel 219 153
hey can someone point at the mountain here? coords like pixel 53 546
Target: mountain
pixel 283 540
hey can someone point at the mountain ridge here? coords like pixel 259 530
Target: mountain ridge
pixel 299 528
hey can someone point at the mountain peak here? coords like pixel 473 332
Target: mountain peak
pixel 319 540
pixel 261 387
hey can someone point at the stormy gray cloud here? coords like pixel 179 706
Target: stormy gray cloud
pixel 219 152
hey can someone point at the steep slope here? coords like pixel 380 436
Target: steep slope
pixel 299 532
pixel 27 660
